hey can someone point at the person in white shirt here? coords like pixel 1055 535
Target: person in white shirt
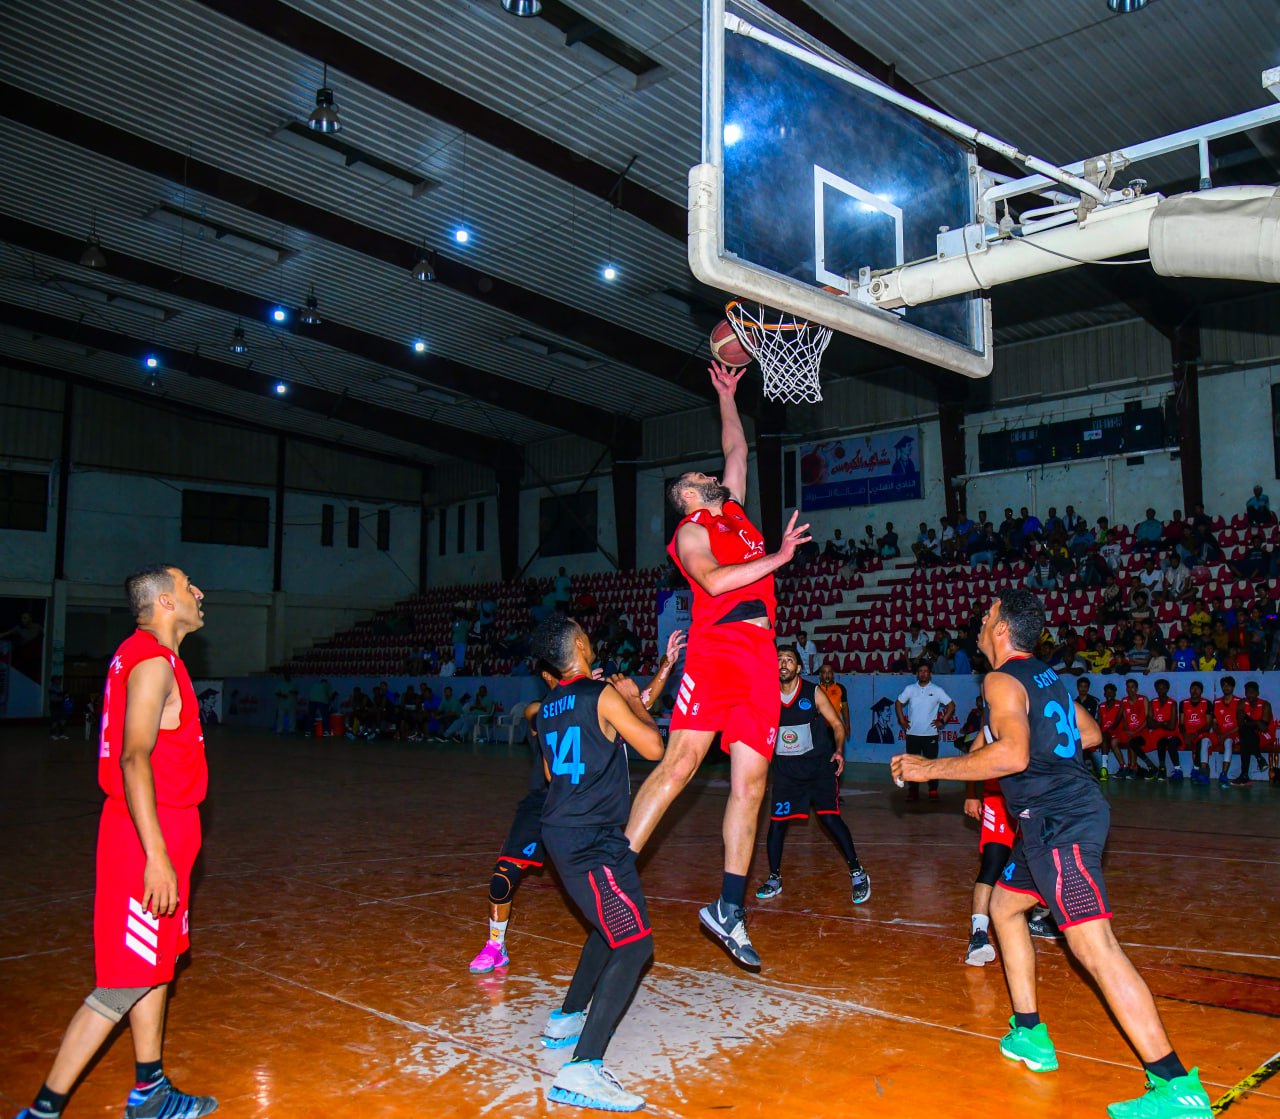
pixel 915 644
pixel 806 654
pixel 923 709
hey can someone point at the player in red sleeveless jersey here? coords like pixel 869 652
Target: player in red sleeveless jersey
pixel 1109 718
pixel 1256 738
pixel 151 765
pixel 1226 726
pixel 1163 737
pixel 1134 733
pixel 1196 716
pixel 730 682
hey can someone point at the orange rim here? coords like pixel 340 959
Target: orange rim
pixel 731 310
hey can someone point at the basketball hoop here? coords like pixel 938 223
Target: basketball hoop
pixel 788 349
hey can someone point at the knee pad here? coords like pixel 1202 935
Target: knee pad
pixel 502 886
pixel 113 1003
pixel 994 858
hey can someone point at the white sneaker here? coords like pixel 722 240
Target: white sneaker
pixel 563 1029
pixel 730 928
pixel 590 1084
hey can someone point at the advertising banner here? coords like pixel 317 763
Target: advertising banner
pixel 861 470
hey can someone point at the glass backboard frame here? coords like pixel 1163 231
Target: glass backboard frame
pixel 714 264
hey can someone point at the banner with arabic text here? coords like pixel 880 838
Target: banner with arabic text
pixel 861 470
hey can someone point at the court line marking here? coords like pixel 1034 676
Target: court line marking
pixel 1250 1083
pixel 418 1027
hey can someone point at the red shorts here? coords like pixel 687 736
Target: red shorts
pixel 730 685
pixel 995 826
pixel 1219 738
pixel 131 947
pixel 1192 739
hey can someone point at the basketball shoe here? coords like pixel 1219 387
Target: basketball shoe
pixel 860 881
pixel 1182 1097
pixel 980 950
pixel 563 1029
pixel 491 956
pixel 590 1084
pixel 728 924
pixel 162 1099
pixel 1030 1046
pixel 771 888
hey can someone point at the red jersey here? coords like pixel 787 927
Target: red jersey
pixel 734 539
pixel 1226 715
pixel 1256 709
pixel 1135 712
pixel 1162 713
pixel 177 763
pixel 1109 714
pixel 1195 716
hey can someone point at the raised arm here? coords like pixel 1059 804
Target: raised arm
pixel 693 545
pixel 149 686
pixel 733 440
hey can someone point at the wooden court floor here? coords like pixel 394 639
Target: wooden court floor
pixel 342 893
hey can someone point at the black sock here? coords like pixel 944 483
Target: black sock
pixel 49 1102
pixel 1167 1067
pixel 147 1072
pixel 733 889
pixel 1026 1021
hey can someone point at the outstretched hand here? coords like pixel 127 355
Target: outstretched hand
pixel 675 643
pixel 793 537
pixel 725 378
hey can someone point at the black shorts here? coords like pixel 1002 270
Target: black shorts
pixel 598 870
pixel 524 841
pixel 1062 867
pixel 800 781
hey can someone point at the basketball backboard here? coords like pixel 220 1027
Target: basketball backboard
pixel 808 182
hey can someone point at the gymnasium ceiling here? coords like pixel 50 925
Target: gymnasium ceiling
pixel 129 115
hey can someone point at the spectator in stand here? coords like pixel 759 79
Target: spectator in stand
pixel 922 539
pixel 1151 577
pixel 1198 518
pixel 947 540
pixel 985 547
pixel 1184 656
pixel 1053 525
pixel 868 550
pixel 563 588
pixel 1148 534
pixel 448 709
pixel 1256 562
pixel 459 629
pixel 1032 529
pixel 1099 658
pixel 1220 636
pixel 486 614
pixel 1108 543
pixel 930 554
pixel 943 663
pixel 1011 533
pixel 887 545
pixel 1081 541
pixel 1176 580
pixel 1253 635
pixel 806 654
pixel 1237 660
pixel 1041 577
pixel 1093 569
pixel 835 548
pixel 960 662
pixel 938 645
pixel 1140 608
pixel 1110 602
pixel 1258 508
pixel 1138 655
pixel 1199 621
pixel 914 645
pixel 466 722
pixel 1208 660
pixel 1174 530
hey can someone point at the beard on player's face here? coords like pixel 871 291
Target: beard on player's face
pixel 710 492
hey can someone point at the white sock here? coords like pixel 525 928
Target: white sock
pixel 498 932
pixel 979 922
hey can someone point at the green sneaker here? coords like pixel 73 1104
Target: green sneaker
pixel 1032 1047
pixel 1183 1097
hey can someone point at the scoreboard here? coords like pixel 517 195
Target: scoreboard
pixel 1130 432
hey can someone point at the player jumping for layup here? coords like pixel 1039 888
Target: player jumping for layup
pixel 730 683
pixel 1034 735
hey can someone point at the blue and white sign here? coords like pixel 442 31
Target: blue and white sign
pixel 861 470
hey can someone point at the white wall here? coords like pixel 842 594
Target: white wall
pixel 310 569
pixel 1110 488
pixel 1235 437
pixel 468 565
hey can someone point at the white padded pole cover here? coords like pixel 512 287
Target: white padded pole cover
pixel 1226 233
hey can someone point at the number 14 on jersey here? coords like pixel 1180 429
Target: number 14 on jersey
pixel 566 754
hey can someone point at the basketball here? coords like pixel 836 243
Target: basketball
pixel 727 347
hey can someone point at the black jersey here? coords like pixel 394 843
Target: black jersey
pixel 590 786
pixel 1057 780
pixel 1090 704
pixel 537 775
pixel 801 727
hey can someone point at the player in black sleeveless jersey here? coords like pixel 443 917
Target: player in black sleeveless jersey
pixel 808 759
pixel 1035 737
pixel 581 728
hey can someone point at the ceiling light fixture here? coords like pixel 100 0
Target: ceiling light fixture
pixel 281 388
pixel 279 314
pixel 92 255
pixel 151 361
pixel 310 314
pixel 1123 6
pixel 522 9
pixel 424 267
pixel 238 344
pixel 324 117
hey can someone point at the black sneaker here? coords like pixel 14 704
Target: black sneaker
pixel 980 951
pixel 162 1100
pixel 861 883
pixel 1041 923
pixel 771 888
pixel 1241 780
pixel 728 924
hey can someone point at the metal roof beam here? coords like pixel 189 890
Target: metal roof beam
pixel 467 445
pixel 292 28
pixel 629 347
pixel 548 408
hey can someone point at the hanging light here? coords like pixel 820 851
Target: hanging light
pixel 238 344
pixel 310 315
pixel 279 314
pixel 609 273
pixel 522 9
pixel 281 388
pixel 424 268
pixel 92 255
pixel 1123 6
pixel 324 117
pixel 151 361
pixel 419 346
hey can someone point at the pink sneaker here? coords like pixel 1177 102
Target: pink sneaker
pixel 491 956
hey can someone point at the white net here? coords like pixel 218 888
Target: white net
pixel 788 349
